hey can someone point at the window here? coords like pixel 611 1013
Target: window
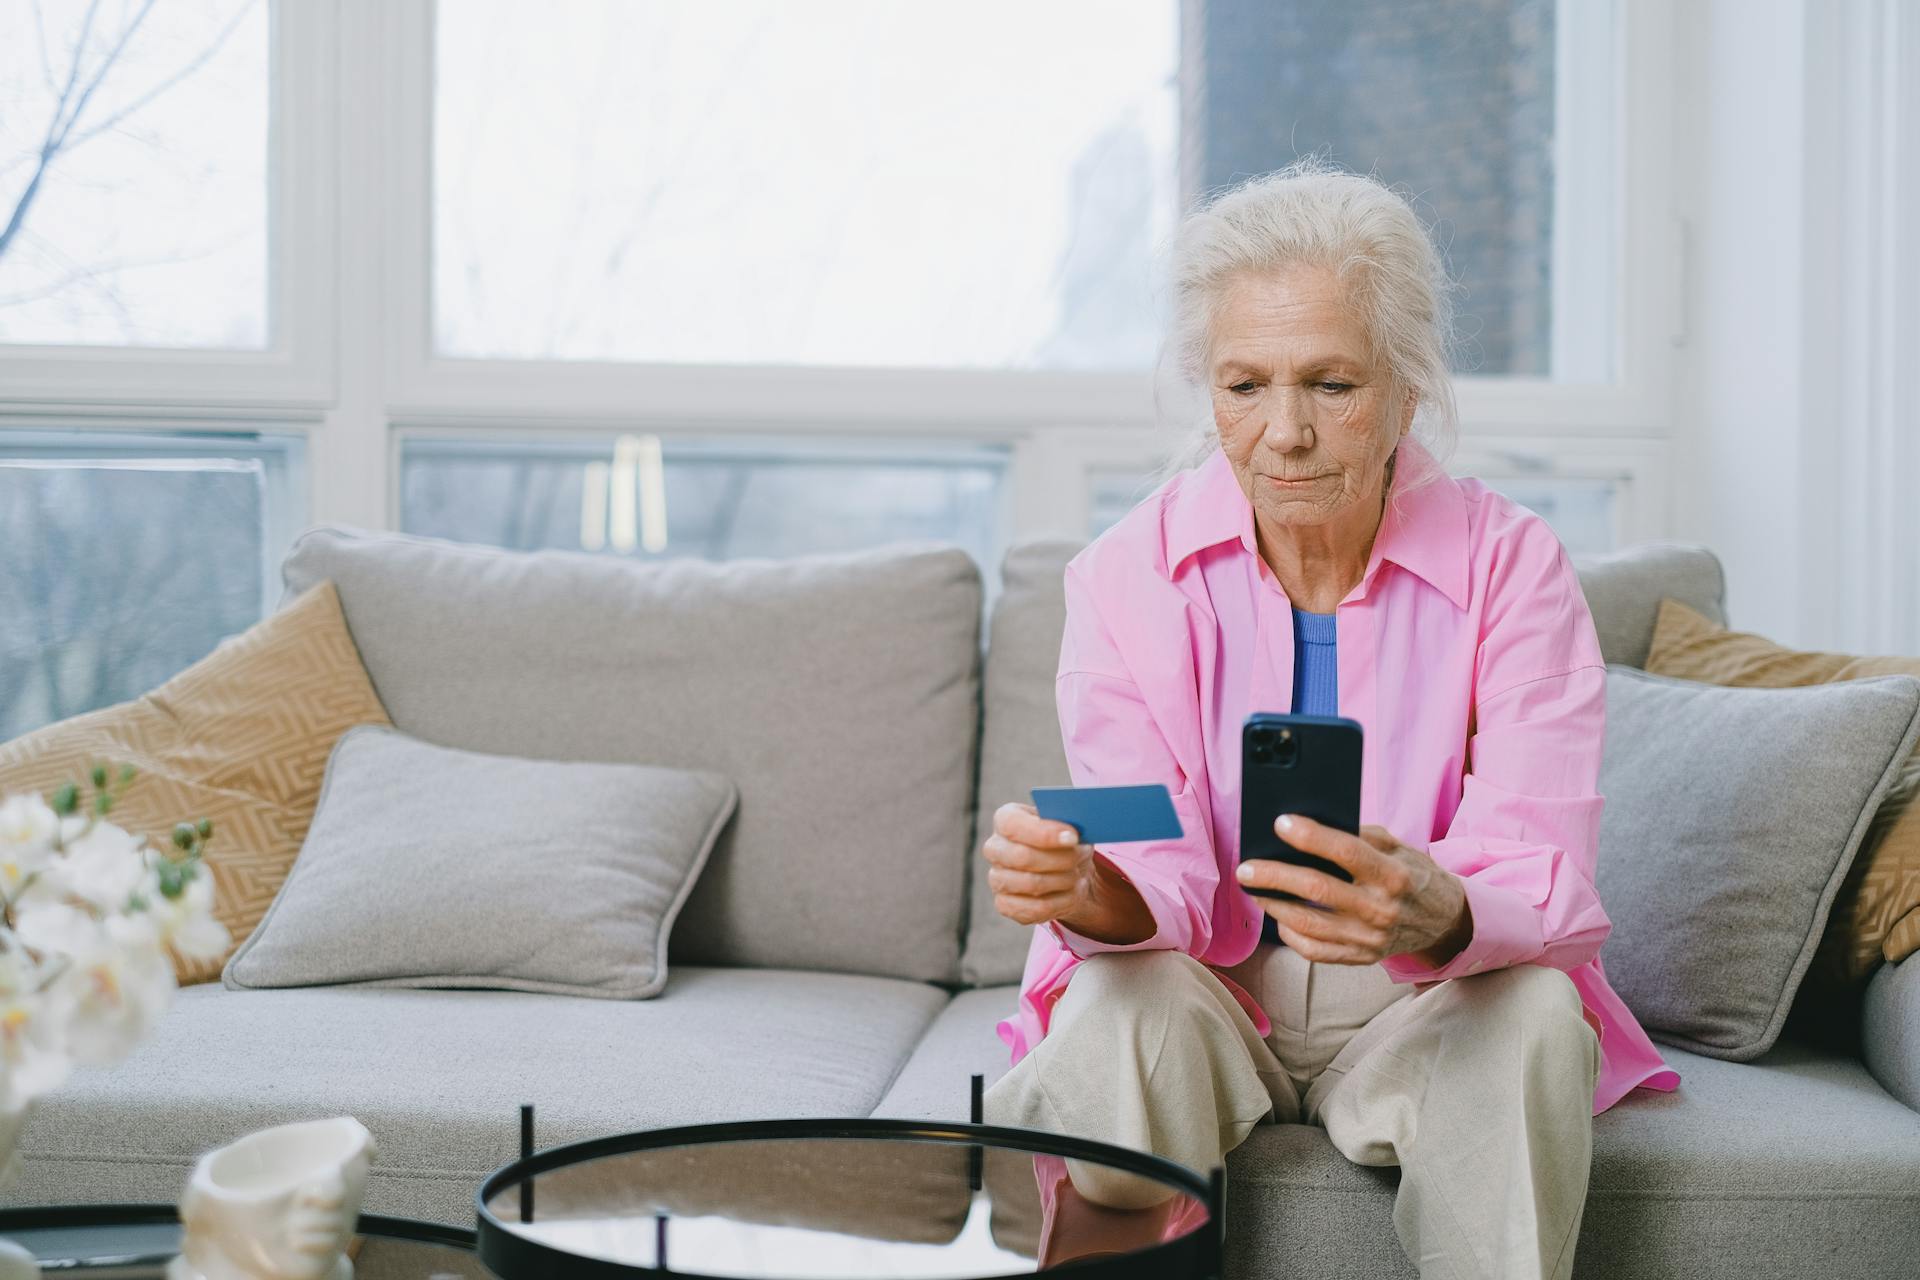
pixel 740 277
pixel 651 497
pixel 133 174
pixel 1113 494
pixel 1472 106
pixel 124 558
pixel 757 183
pixel 844 182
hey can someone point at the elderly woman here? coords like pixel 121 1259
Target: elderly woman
pixel 1446 1011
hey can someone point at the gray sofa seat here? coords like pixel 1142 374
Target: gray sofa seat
pixel 1800 1157
pixel 439 1076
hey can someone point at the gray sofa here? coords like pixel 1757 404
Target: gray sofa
pixel 840 956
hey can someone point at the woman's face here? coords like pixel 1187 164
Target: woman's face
pixel 1301 402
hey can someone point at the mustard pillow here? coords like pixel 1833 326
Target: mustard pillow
pixel 1876 916
pixel 240 737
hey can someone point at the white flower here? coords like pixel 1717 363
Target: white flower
pixel 32 1031
pixel 114 991
pixel 186 923
pixel 52 930
pixel 103 866
pixel 27 827
pixel 84 969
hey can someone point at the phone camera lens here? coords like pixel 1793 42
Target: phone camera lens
pixel 1287 754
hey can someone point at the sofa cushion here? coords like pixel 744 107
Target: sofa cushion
pixel 1624 589
pixel 1732 817
pixel 838 691
pixel 438 1076
pixel 936 1081
pixel 240 738
pixel 429 866
pixel 1796 1162
pixel 1020 742
pixel 1020 746
pixel 1876 918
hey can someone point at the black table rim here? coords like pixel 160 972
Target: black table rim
pixel 513 1256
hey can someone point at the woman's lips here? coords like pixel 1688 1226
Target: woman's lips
pixel 1285 483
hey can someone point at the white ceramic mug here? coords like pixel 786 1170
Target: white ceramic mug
pixel 279 1204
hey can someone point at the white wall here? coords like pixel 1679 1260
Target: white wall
pixel 1736 444
pixel 1798 152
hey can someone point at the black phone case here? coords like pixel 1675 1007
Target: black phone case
pixel 1317 775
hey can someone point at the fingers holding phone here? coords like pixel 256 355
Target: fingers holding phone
pixel 1395 899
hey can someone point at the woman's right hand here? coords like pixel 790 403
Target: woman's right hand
pixel 1037 868
pixel 1040 872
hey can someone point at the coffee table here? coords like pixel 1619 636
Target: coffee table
pixel 846 1198
pixel 136 1241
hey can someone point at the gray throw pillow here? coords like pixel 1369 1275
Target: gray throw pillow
pixel 1731 818
pixel 840 691
pixel 428 866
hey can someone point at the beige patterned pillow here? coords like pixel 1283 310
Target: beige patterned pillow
pixel 240 737
pixel 1877 913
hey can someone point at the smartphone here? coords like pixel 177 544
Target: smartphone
pixel 1308 765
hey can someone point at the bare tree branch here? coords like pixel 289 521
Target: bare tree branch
pixel 50 145
pixel 73 74
pixel 199 61
pixel 61 138
pixel 40 43
pixel 99 77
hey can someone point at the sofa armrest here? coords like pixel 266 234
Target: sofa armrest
pixel 1890 1029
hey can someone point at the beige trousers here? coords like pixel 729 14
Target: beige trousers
pixel 1480 1089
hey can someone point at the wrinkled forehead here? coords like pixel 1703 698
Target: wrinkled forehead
pixel 1296 316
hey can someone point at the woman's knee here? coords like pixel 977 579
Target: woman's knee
pixel 1139 970
pixel 1160 980
pixel 1542 1001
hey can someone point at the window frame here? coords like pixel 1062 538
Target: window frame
pixel 352 366
pixel 1637 399
pixel 296 366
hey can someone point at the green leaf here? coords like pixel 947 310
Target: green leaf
pixel 66 800
pixel 183 836
pixel 102 802
pixel 126 773
pixel 204 827
pixel 99 775
pixel 172 882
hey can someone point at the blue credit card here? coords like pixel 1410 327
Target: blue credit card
pixel 1111 815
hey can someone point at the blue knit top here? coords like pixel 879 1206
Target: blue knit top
pixel 1316 686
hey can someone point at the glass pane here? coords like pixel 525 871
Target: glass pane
pixel 1582 510
pixel 655 497
pixel 842 182
pixel 133 163
pixel 1454 100
pixel 1114 493
pixel 124 559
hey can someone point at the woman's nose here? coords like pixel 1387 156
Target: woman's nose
pixel 1289 423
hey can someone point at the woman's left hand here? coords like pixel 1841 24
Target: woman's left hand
pixel 1400 901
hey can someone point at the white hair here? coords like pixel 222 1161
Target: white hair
pixel 1311 213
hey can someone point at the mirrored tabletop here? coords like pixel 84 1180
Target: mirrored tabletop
pixel 782 1201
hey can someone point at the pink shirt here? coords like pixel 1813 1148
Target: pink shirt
pixel 1469 658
